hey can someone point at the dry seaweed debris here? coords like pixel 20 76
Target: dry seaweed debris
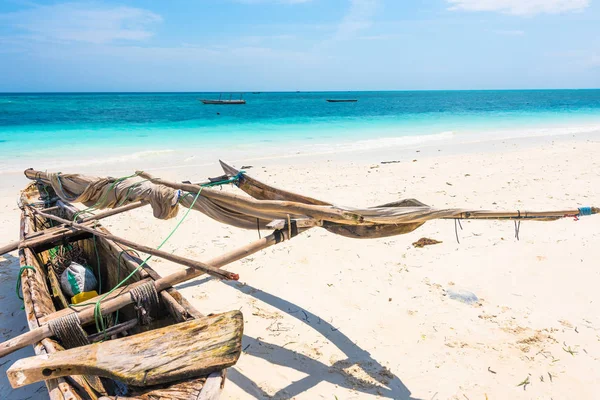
pixel 425 242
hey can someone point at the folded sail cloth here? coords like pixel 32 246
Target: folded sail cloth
pixel 385 220
pixel 104 193
pixel 111 192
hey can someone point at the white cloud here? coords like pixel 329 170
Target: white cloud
pixel 510 32
pixel 273 1
pixel 359 17
pixel 83 22
pixel 520 7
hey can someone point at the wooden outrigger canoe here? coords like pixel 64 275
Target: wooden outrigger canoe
pixel 149 362
pixel 191 367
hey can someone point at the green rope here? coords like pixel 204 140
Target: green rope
pixel 18 288
pixel 99 320
pixel 47 201
pixel 53 252
pixel 62 191
pixel 129 191
pixel 101 201
pixel 233 179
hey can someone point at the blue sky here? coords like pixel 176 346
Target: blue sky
pixel 244 45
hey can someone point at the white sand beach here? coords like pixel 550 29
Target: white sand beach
pixel 327 317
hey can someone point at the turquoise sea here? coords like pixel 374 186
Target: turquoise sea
pixel 81 126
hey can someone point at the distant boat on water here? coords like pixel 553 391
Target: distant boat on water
pixel 342 100
pixel 226 101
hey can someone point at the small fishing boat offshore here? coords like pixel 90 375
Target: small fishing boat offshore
pixel 224 101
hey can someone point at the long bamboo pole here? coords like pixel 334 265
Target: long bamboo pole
pixel 115 211
pixel 86 314
pixel 262 191
pixel 52 234
pixel 376 215
pixel 516 215
pixel 145 249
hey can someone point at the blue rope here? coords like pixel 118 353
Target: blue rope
pixel 583 211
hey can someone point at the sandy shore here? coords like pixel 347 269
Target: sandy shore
pixel 335 318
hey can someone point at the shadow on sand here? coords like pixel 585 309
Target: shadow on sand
pixel 389 386
pixel 13 323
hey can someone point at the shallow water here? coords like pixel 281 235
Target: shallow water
pixel 77 129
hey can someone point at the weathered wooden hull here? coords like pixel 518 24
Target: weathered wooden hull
pixel 43 297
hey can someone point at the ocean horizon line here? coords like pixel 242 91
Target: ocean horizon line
pixel 256 91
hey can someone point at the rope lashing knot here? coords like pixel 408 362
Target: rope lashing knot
pixel 585 211
pixel 237 177
pixel 145 301
pixel 21 270
pixel 175 200
pixel 219 182
pixel 69 331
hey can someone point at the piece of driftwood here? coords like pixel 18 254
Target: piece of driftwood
pixel 111 304
pixel 148 250
pixel 62 232
pixel 181 351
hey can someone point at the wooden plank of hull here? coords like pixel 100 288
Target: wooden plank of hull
pixel 58 389
pixel 182 351
pixel 73 386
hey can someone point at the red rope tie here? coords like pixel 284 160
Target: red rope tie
pixel 575 216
